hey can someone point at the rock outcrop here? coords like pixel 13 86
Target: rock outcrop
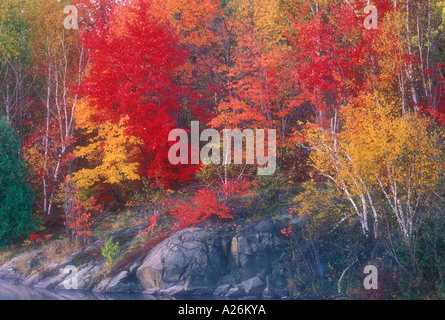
pixel 194 259
pixel 231 261
pixel 219 261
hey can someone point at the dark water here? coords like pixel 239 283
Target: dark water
pixel 18 292
pixel 10 291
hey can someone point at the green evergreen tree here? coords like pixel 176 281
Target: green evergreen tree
pixel 16 196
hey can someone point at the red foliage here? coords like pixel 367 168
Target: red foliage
pixel 209 202
pixel 132 74
pixel 332 69
pixel 236 187
pixel 153 222
pixel 435 103
pixel 202 206
pixel 35 237
pixel 79 220
pixel 287 231
pixel 97 11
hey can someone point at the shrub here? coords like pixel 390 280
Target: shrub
pixel 110 250
pixel 201 207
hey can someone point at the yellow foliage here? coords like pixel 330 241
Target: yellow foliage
pixel 191 18
pixel 50 41
pixel 322 206
pixel 380 149
pixel 385 144
pixel 110 151
pixel 263 16
pixel 11 34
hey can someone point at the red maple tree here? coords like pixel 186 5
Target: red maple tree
pixel 133 60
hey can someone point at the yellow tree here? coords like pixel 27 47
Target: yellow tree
pixel 399 156
pixel 110 154
pixel 380 153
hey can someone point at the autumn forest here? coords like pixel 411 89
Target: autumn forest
pixel 90 91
